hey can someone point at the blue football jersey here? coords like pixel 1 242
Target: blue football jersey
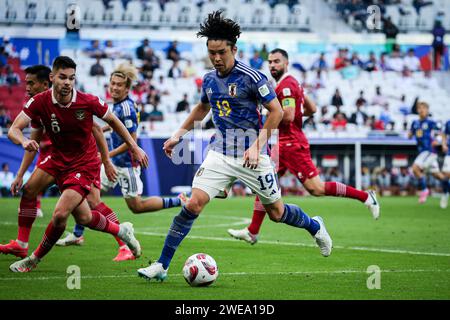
pixel 447 134
pixel 236 101
pixel 423 131
pixel 125 110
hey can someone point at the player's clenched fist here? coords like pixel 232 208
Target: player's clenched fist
pixel 30 145
pixel 16 185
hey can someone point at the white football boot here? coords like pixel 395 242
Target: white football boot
pixel 372 204
pixel 243 234
pixel 153 271
pixel 126 234
pixel 70 240
pixel 25 265
pixel 444 201
pixel 322 238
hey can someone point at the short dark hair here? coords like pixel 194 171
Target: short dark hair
pixel 216 27
pixel 280 51
pixel 41 72
pixel 63 62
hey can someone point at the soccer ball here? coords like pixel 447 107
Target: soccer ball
pixel 200 270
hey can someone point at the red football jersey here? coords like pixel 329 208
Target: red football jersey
pixel 290 94
pixel 68 127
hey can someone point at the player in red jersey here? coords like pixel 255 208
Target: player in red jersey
pixel 67 116
pixel 38 80
pixel 293 152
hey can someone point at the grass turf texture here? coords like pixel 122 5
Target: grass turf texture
pixel 410 244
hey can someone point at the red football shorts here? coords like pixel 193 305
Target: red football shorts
pixel 79 178
pixel 296 159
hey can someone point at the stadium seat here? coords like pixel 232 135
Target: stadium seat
pixel 189 14
pixel 426 18
pixel 114 12
pixel 299 16
pixel 262 16
pixel 245 15
pixel 56 12
pixel 151 13
pixel 169 17
pixel 280 15
pixel 92 11
pixel 133 14
pixel 16 10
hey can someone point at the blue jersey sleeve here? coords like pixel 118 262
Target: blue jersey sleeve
pixel 204 96
pixel 447 128
pixel 130 121
pixel 264 90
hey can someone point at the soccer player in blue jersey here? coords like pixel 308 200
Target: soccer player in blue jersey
pixel 424 130
pixel 128 170
pixel 233 91
pixel 446 166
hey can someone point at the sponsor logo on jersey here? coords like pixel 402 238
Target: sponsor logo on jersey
pixel 209 91
pixel 232 90
pixel 80 115
pixel 264 90
pixel 286 92
pixel 128 123
pixel 101 101
pixel 200 172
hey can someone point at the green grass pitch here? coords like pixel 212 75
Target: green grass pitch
pixel 410 244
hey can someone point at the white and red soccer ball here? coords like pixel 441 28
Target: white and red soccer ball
pixel 200 270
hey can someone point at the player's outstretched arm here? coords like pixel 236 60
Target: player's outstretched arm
pixel 198 113
pixel 110 171
pixel 138 154
pixel 309 107
pixel 16 136
pixel 251 155
pixel 27 160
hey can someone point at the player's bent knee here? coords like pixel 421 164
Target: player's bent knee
pixel 316 191
pixel 195 206
pixel 29 192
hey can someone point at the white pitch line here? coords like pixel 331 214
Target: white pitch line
pixel 235 274
pixel 307 245
pixel 283 243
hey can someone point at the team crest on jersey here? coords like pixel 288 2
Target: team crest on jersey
pixel 80 115
pixel 286 92
pixel 232 90
pixel 425 126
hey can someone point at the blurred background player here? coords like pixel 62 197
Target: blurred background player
pixel 128 170
pixel 293 149
pixel 233 92
pixel 67 115
pixel 446 166
pixel 424 130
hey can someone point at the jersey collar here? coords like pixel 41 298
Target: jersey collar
pixel 74 98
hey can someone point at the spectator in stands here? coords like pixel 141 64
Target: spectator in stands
pixel 4 118
pixel 339 122
pixel 379 98
pixel 189 71
pixel 349 71
pixel 336 99
pixel 140 51
pixel 172 51
pixel 403 107
pixel 383 62
pixel 6 178
pixel 390 30
pixel 94 50
pixel 438 44
pixel 155 114
pixel 386 117
pixel 411 62
pixel 309 124
pixel 151 58
pixel 97 69
pixel 11 78
pixel 139 93
pixel 238 189
pixel 320 63
pixel 376 124
pixel 3 58
pixel 366 178
pixel 9 48
pixel 162 86
pixel 371 64
pixel 325 115
pixel 361 100
pixel 419 4
pixel 395 62
pixel 175 71
pixel 263 52
pixel 404 181
pixel 333 174
pixel 241 57
pixel 355 60
pixel 318 82
pixel 359 117
pixel 340 61
pixel 256 62
pixel 183 105
pixel 111 51
pixel 383 179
